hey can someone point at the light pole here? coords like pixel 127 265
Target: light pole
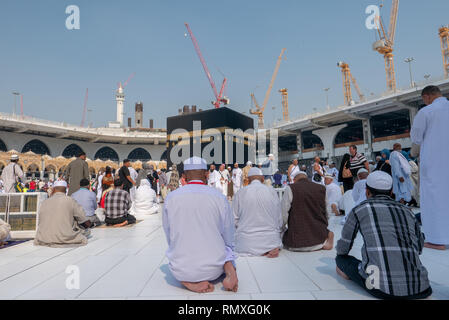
pixel 409 61
pixel 327 96
pixel 16 94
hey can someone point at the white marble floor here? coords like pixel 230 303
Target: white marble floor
pixel 129 263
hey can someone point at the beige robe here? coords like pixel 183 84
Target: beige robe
pixel 76 170
pixel 4 230
pixel 59 219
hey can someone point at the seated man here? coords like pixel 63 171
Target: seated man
pixel 333 195
pixel 62 221
pixel 304 210
pixel 258 216
pixel 116 206
pixel 88 200
pixel 199 228
pixel 145 200
pixel 4 232
pixel 390 266
pixel 359 191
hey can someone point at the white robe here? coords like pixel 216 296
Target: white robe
pixel 224 180
pixel 430 130
pixel 333 196
pixel 258 215
pixel 199 228
pixel 237 179
pixel 145 201
pixel 133 174
pixel 400 168
pixel 214 180
pixel 359 192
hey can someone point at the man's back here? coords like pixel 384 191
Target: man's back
pixel 117 203
pixel 9 176
pixel 258 215
pixel 87 199
pixel 199 225
pixel 392 242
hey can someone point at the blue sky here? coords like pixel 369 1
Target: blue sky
pixel 52 66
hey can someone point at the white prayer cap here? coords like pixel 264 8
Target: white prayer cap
pixel 363 170
pixel 15 157
pixel 254 172
pixel 329 176
pixel 195 163
pixel 249 163
pixel 271 155
pixel 380 180
pixel 296 172
pixel 60 183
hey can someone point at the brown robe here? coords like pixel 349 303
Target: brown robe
pixel 75 172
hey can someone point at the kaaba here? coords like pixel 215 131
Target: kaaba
pixel 220 136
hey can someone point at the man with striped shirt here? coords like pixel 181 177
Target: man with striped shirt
pixel 357 161
pixel 390 266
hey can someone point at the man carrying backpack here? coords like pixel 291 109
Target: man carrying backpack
pixel 12 174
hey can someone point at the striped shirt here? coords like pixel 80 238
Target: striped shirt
pixel 393 242
pixel 357 163
pixel 117 204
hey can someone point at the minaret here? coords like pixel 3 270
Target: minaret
pixel 120 98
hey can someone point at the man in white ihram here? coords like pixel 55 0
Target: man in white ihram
pixel 430 131
pixel 237 174
pixel 258 214
pixel 199 227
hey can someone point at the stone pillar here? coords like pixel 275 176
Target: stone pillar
pixel 327 136
pixel 367 138
pixel 299 144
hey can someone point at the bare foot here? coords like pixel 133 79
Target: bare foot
pixel 199 287
pixel 329 245
pixel 434 246
pixel 342 274
pixel 120 225
pixel 273 253
pixel 231 282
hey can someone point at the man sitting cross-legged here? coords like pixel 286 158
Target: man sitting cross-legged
pixel 199 228
pixel 390 266
pixel 62 220
pixel 304 210
pixel 258 215
pixel 117 205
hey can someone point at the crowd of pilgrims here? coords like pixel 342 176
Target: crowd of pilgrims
pixel 210 216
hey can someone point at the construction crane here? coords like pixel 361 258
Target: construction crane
pixel 85 107
pixel 386 42
pixel 347 79
pixel 444 36
pixel 219 96
pixel 260 110
pixel 284 95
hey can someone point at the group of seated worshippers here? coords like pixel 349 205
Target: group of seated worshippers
pixel 392 243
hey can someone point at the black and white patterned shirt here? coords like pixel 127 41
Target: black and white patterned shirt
pixel 393 242
pixel 117 204
pixel 357 163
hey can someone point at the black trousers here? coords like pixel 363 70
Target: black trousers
pixel 130 218
pixel 348 184
pixel 350 266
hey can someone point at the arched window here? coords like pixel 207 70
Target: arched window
pixel 37 147
pixel 3 146
pixel 139 154
pixel 106 153
pixel 71 151
pixel 311 141
pixel 164 156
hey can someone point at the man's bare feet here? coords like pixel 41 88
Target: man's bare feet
pixel 120 224
pixel 273 253
pixel 434 246
pixel 231 282
pixel 342 274
pixel 329 245
pixel 199 287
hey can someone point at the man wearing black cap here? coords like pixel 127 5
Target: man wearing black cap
pixel 75 172
pixel 390 266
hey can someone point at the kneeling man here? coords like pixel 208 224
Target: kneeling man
pixel 199 227
pixel 304 211
pixel 258 216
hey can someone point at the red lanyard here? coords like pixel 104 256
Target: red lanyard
pixel 197 182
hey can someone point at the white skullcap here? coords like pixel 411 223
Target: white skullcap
pixel 195 163
pixel 14 157
pixel 271 155
pixel 380 180
pixel 363 170
pixel 249 163
pixel 60 183
pixel 254 172
pixel 296 172
pixel 329 176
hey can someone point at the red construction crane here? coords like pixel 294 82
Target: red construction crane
pixel 218 96
pixel 85 107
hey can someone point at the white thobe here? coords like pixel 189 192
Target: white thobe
pixel 133 174
pixel 214 180
pixel 359 192
pixel 258 215
pixel 223 182
pixel 237 179
pixel 400 168
pixel 145 201
pixel 334 173
pixel 99 187
pixel 333 196
pixel 199 228
pixel 430 130
pixel 9 175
